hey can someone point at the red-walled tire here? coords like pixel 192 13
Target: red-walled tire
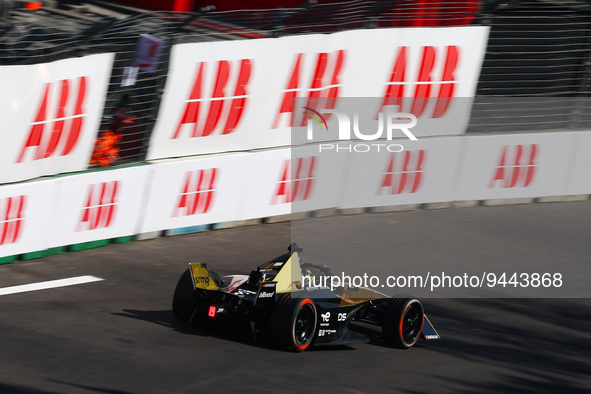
pixel 295 323
pixel 403 322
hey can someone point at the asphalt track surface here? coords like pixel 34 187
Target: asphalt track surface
pixel 119 335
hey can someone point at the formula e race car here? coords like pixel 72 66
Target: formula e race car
pixel 279 302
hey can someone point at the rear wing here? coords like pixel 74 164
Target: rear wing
pixel 202 278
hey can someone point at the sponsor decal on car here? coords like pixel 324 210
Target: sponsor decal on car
pixel 266 295
pixel 323 332
pixel 244 292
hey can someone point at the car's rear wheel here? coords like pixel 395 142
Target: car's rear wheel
pixel 294 323
pixel 403 322
pixel 183 301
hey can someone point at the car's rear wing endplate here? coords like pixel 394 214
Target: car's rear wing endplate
pixel 266 294
pixel 202 278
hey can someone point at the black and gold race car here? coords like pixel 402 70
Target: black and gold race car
pixel 279 302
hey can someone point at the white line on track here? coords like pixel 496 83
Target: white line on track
pixel 78 280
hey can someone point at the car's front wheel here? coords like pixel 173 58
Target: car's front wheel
pixel 403 322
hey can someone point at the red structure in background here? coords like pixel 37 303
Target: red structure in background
pixel 406 13
pixel 161 5
pixel 431 13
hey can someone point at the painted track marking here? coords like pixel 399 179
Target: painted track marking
pixel 78 280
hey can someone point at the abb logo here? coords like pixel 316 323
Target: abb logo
pixel 323 89
pixel 219 100
pixel 99 210
pixel 64 120
pixel 404 173
pixel 516 168
pixel 11 219
pixel 396 92
pixel 197 194
pixel 298 188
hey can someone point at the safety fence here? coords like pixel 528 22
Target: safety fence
pixel 535 74
pixel 108 89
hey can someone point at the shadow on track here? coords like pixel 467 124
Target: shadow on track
pixel 165 318
pixel 541 345
pixel 90 388
pixel 14 389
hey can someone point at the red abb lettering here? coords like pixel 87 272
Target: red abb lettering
pixel 283 193
pixel 197 194
pixel 448 82
pixel 403 173
pixel 11 219
pixel 218 100
pixel 99 210
pixel 239 102
pixel 518 172
pixel 299 187
pixel 423 86
pixel 304 178
pixel 324 88
pixel 47 146
pixel 395 89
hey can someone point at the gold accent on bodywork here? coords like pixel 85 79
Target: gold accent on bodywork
pixel 358 295
pixel 202 278
pixel 289 277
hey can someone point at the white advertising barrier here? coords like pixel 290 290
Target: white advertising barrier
pixel 108 204
pixel 98 205
pixel 515 166
pixel 50 115
pixel 195 192
pixel 425 171
pixel 25 211
pixel 236 95
pixel 269 190
pixel 292 180
pixel 580 178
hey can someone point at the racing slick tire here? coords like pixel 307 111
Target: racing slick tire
pixel 184 299
pixel 403 322
pixel 294 323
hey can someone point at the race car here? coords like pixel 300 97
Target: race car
pixel 279 302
